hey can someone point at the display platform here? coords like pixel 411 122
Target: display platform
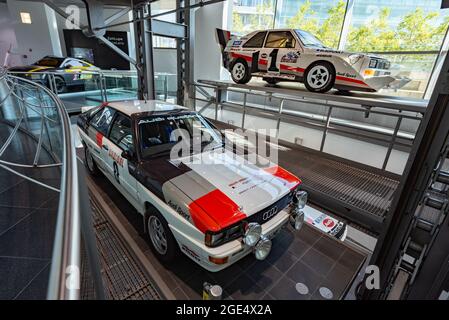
pixel 353 97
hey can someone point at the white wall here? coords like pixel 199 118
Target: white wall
pixel 207 51
pixel 7 37
pixel 39 38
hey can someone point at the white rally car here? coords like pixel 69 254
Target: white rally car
pixel 296 55
pixel 215 211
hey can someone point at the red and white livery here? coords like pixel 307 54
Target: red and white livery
pixel 213 205
pixel 296 55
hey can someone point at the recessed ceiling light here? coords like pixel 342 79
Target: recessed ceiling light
pixel 25 17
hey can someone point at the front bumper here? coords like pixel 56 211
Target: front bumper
pixel 234 250
pixel 384 82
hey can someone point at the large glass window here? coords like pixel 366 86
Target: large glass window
pixel 322 18
pixel 252 15
pixel 409 33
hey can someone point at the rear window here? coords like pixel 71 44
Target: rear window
pixel 256 41
pixel 102 119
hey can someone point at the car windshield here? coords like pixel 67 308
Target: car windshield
pixel 49 62
pixel 309 40
pixel 159 134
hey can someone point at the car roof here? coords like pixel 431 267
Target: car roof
pixel 131 107
pixel 269 30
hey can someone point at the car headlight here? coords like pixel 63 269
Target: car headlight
pixel 214 239
pixel 300 198
pixel 373 63
pixel 262 248
pixel 354 58
pixel 297 218
pixel 252 234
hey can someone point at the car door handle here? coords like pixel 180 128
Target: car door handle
pixel 105 147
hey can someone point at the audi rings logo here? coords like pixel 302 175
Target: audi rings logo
pixel 267 215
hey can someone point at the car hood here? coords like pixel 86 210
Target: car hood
pixel 219 188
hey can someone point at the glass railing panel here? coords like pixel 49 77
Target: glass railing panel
pixel 120 85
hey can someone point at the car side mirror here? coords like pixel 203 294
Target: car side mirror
pixel 127 154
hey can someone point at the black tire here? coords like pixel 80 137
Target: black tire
pixel 91 166
pixel 172 249
pixel 322 77
pixel 61 86
pixel 271 81
pixel 242 73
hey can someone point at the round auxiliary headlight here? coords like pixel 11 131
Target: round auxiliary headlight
pixel 301 199
pixel 252 234
pixel 262 248
pixel 297 219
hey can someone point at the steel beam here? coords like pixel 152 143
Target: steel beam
pixel 429 142
pixel 116 16
pixel 83 27
pixel 144 53
pixel 95 20
pixel 168 29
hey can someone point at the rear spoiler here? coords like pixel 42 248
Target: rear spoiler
pixel 223 37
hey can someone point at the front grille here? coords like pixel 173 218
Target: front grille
pixel 277 206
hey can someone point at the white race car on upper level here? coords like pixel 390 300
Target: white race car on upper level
pixel 296 55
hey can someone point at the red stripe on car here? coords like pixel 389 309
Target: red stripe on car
pixel 99 138
pixel 237 55
pixel 290 68
pixel 351 80
pixel 292 180
pixel 214 211
pixel 263 62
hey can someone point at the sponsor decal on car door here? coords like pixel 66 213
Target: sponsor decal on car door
pixel 118 171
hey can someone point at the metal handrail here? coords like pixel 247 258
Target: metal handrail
pixel 65 265
pixel 391 137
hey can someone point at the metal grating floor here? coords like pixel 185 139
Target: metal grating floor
pixel 360 188
pixel 360 194
pixel 123 278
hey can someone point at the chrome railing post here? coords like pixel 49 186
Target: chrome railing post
pixel 244 110
pixel 392 142
pixel 217 97
pixel 278 124
pixel 326 127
